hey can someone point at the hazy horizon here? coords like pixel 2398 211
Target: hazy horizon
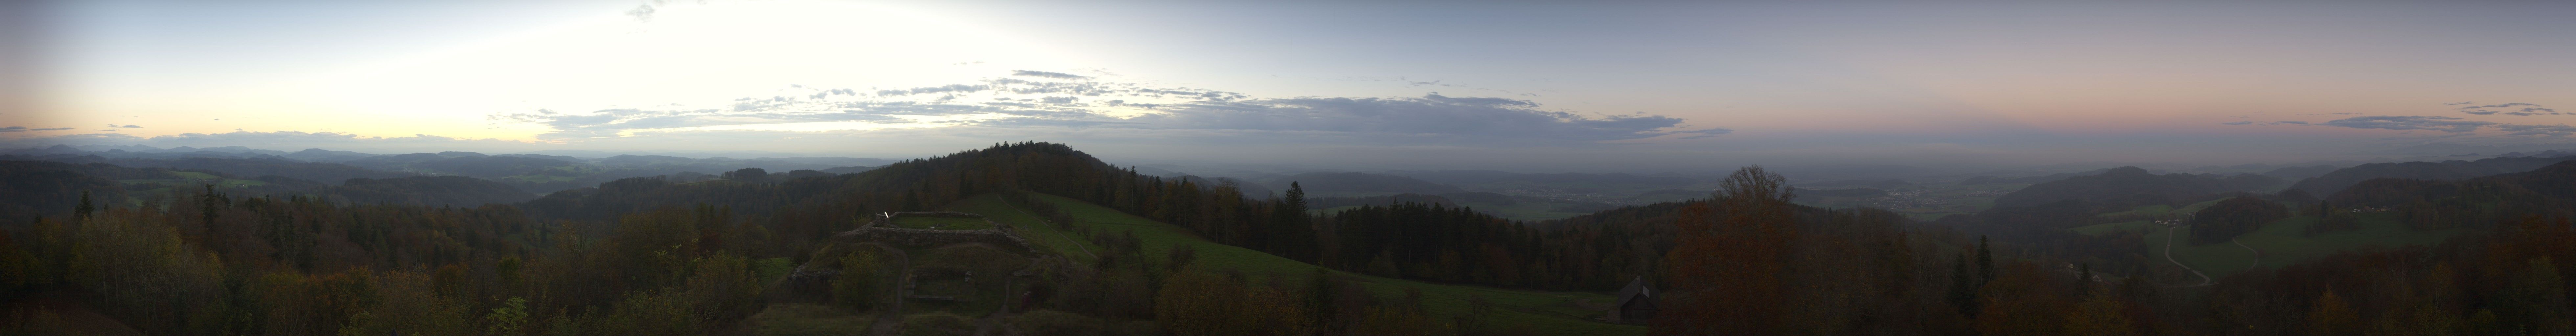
pixel 1634 87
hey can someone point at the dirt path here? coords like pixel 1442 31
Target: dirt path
pixel 888 322
pixel 2169 238
pixel 2258 254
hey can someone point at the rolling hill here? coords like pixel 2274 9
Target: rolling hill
pixel 1545 313
pixel 2336 181
pixel 428 190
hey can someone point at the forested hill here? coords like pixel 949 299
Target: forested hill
pixel 458 191
pixel 2334 182
pixel 743 254
pixel 39 188
pixel 2476 202
pixel 1430 241
pixel 2130 183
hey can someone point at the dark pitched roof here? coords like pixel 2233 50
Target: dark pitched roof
pixel 1636 289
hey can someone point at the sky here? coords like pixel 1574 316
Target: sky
pixel 1533 86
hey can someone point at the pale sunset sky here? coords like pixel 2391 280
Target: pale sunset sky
pixel 1550 85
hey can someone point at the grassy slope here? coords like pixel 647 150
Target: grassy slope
pixel 2217 260
pixel 1546 313
pixel 1045 236
pixel 2195 207
pixel 944 223
pixel 2283 243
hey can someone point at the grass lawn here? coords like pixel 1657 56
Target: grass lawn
pixel 2195 207
pixel 2217 260
pixel 1547 313
pixel 2107 228
pixel 943 223
pixel 770 270
pixel 1073 246
pixel 2282 243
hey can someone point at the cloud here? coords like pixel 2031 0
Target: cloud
pixel 2533 110
pixel 935 89
pixel 2237 123
pixel 1055 75
pixel 124 126
pixel 2560 130
pixel 25 129
pixel 2287 123
pixel 2504 105
pixel 1706 133
pixel 283 140
pixel 1432 83
pixel 1008 103
pixel 2437 123
pixel 1431 118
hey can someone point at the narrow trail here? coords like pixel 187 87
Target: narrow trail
pixel 2258 254
pixel 1042 221
pixel 2169 238
pixel 893 315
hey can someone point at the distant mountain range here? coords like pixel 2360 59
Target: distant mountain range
pixel 529 172
pixel 2334 182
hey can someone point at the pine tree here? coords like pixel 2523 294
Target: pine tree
pixel 2084 278
pixel 1963 292
pixel 81 213
pixel 1985 262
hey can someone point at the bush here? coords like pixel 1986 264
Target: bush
pixel 859 285
pixel 652 313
